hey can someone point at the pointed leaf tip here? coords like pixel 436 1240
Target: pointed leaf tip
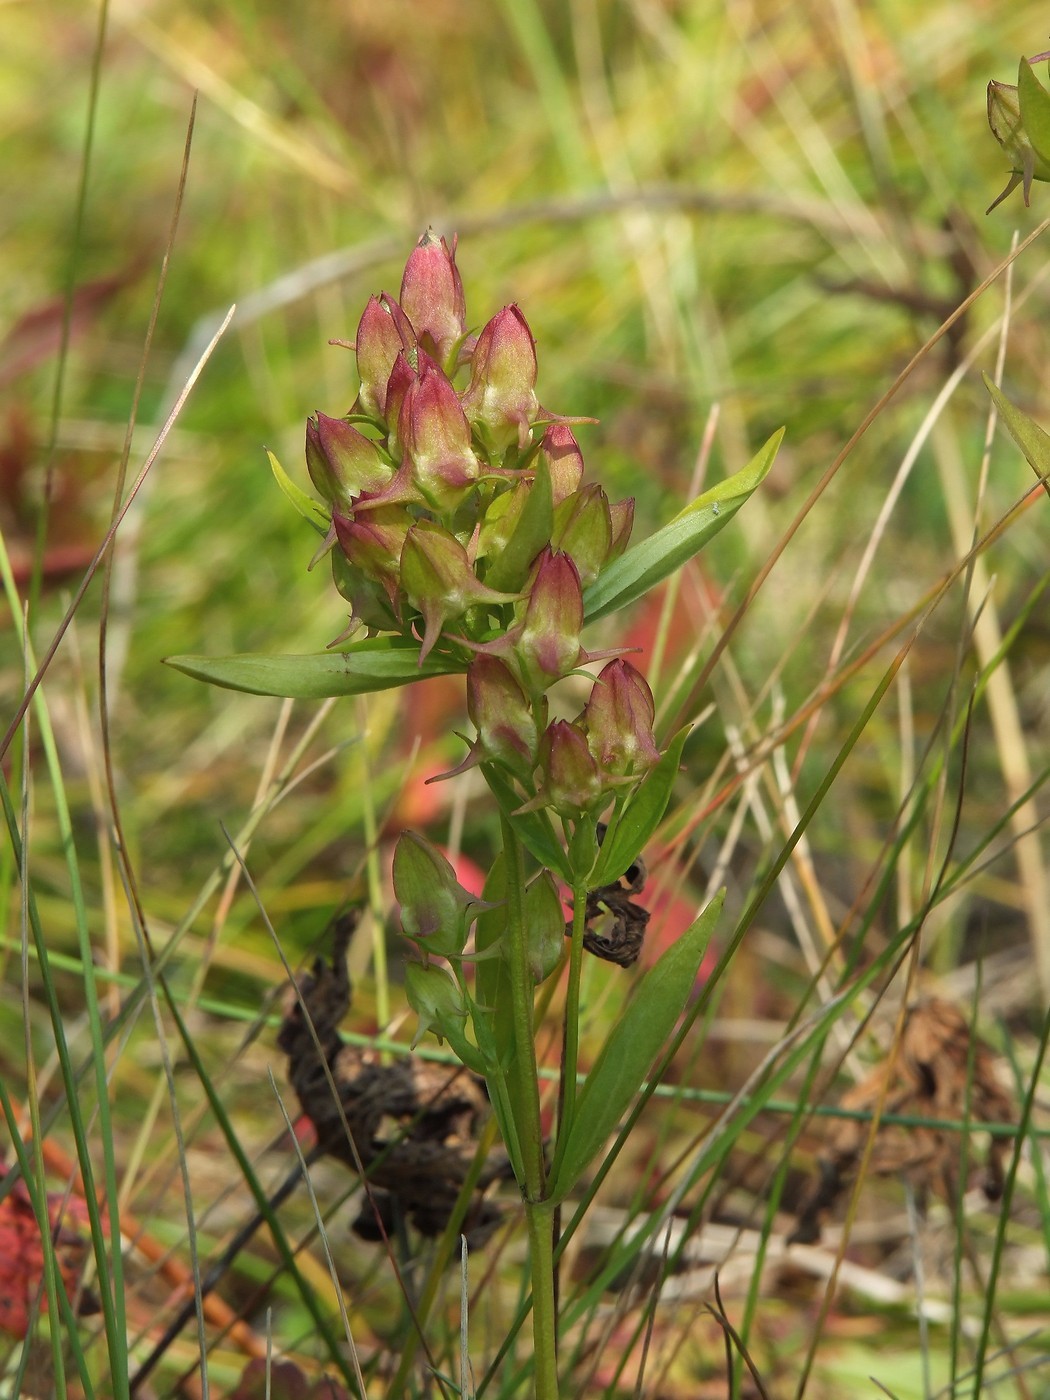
pixel 644 565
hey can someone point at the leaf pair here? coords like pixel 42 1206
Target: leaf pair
pixel 383 662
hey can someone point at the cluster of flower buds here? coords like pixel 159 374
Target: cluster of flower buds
pixel 459 518
pixel 571 766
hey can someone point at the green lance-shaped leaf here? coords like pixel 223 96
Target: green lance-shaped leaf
pixel 630 831
pixel 1029 436
pixel 1035 109
pixel 377 664
pixel 634 1043
pixel 646 564
pixel 307 507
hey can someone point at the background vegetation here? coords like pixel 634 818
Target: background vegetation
pixel 718 219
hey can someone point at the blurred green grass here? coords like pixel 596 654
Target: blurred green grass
pixel 693 204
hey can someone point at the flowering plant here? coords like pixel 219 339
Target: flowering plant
pixel 463 536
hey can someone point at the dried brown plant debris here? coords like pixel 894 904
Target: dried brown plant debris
pixel 939 1072
pixel 411 1125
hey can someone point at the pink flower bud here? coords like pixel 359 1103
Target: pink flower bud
pixel 402 377
pixel 564 460
pixel 571 781
pixel 372 541
pixel 502 716
pixel 618 720
pixel 500 400
pixel 435 438
pixel 438 580
pixel 432 297
pixel 342 462
pixel 382 334
pixel 548 646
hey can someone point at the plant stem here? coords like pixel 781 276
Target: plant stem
pixel 524 1080
pixel 571 1039
pixel 525 1097
pixel 544 1317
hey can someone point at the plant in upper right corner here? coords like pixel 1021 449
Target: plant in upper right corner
pixel 1019 117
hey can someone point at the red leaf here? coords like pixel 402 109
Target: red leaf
pixel 22 1254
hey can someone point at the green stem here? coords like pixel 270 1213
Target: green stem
pixel 544 1318
pixel 525 1098
pixel 524 1079
pixel 571 1041
pixel 376 893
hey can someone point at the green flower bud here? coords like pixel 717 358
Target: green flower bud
pixel 370 602
pixel 544 927
pixel 501 519
pixel 435 908
pixel 437 1001
pixel 438 580
pixel 1019 118
pixel 583 529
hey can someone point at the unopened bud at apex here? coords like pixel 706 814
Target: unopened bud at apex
pixel 432 297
